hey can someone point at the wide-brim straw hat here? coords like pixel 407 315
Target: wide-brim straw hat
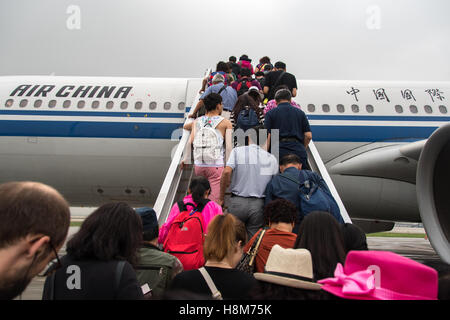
pixel 289 267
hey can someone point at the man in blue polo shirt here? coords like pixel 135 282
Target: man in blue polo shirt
pixel 281 187
pixel 293 125
pixel 228 94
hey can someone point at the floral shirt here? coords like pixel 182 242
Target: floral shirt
pixel 272 105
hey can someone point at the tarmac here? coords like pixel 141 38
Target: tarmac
pixel 418 249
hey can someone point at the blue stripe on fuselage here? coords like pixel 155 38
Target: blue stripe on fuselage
pixel 370 133
pixel 95 129
pixel 378 118
pixel 88 129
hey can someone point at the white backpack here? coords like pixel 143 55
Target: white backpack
pixel 207 143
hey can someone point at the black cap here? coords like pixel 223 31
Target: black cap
pixel 148 217
pixel 244 57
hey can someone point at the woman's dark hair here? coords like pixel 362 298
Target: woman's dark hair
pixel 212 100
pixel 251 99
pixel 198 186
pixel 255 95
pixel 264 60
pixel 246 72
pixel 280 210
pixel 354 237
pixel 321 234
pixel 112 232
pixel 222 66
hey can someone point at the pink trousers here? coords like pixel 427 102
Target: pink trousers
pixel 213 174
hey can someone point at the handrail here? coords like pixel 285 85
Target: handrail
pixel 169 188
pixel 318 166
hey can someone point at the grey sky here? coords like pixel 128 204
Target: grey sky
pixel 317 39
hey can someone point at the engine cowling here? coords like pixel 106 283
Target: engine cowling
pixel 433 191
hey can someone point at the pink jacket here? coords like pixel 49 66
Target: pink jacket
pixel 209 212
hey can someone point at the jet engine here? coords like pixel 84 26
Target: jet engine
pixel 433 190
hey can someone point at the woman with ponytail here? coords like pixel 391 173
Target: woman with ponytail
pixel 223 249
pixel 197 198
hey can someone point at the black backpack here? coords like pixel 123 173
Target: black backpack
pixel 243 86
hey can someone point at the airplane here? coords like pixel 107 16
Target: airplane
pixel 385 144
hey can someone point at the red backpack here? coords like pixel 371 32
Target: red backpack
pixel 186 237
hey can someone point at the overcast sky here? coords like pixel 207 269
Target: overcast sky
pixel 317 39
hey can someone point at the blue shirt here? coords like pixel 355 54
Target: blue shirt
pixel 291 121
pixel 229 95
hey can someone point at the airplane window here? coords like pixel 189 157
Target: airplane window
pixel 355 108
pixel 23 103
pixel 109 105
pixel 428 109
pixel 9 103
pixel 124 105
pixel 181 106
pixel 311 107
pixel 38 103
pixel 152 105
pixel 52 103
pixel 95 104
pixel 326 108
pixel 66 104
pixel 443 109
pixel 81 104
pixel 398 108
pixel 340 108
pixel 138 105
pixel 370 108
pixel 413 109
pixel 167 105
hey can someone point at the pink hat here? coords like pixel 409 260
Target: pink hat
pixel 382 275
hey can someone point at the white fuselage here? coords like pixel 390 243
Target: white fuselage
pixel 103 139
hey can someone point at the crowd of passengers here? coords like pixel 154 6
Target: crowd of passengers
pixel 260 243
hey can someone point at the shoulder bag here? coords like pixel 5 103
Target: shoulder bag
pixel 246 263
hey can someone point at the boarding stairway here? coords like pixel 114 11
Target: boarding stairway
pixel 177 180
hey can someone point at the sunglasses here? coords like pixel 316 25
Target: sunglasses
pixel 53 265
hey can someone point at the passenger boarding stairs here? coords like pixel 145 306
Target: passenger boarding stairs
pixel 176 182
